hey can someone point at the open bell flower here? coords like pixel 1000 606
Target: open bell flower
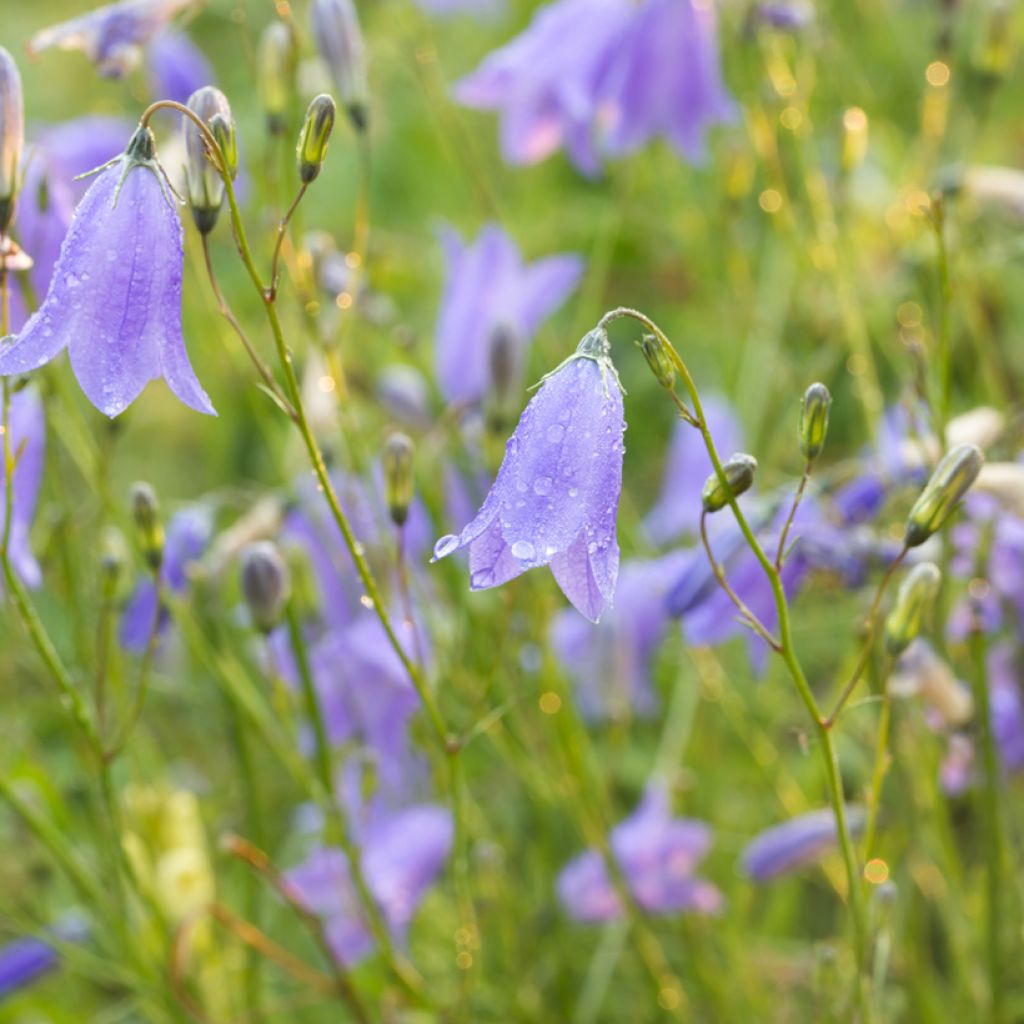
pixel 114 299
pixel 556 495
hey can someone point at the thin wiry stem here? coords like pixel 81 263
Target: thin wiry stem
pixel 780 554
pixel 282 230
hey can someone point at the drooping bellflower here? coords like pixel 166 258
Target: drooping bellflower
pixel 602 78
pixel 489 288
pixel 657 854
pixel 115 296
pixel 555 499
pixel 113 36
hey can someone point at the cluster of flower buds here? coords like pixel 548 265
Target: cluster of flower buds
pixel 12 138
pixel 739 472
pixel 204 184
pixel 266 583
pixel 951 480
pixel 149 526
pixel 914 601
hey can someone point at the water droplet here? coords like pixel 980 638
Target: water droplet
pixel 446 545
pixel 573 491
pixel 521 486
pixel 542 485
pixel 523 550
pixel 555 433
pixel 366 601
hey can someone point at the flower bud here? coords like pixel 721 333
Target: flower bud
pixel 506 369
pixel 814 420
pixel 203 183
pixel 12 137
pixel 398 482
pixel 266 583
pixel 277 62
pixel 148 525
pixel 339 41
pixel 739 471
pixel 914 601
pixel 316 133
pixel 113 557
pixel 658 360
pixel 949 483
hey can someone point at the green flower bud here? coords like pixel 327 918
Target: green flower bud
pixel 316 133
pixel 739 471
pixel 814 420
pixel 398 482
pixel 658 360
pixel 277 61
pixel 113 558
pixel 12 137
pixel 202 181
pixel 949 483
pixel 266 583
pixel 148 525
pixel 914 601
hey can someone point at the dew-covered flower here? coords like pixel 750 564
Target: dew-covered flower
pixel 556 495
pixel 112 37
pixel 658 855
pixel 176 67
pixel 489 288
pixel 115 296
pixel 602 78
pixel 796 843
pixel 27 424
pixel 188 534
pixel 610 663
pixel 401 854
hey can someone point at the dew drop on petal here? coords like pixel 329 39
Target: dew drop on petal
pixel 573 491
pixel 446 545
pixel 542 485
pixel 555 433
pixel 523 550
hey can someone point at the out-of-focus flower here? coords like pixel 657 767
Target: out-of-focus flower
pixel 334 25
pixel 602 78
pixel 677 510
pixel 266 583
pixel 27 424
pixel 788 17
pixel 401 854
pixel 115 296
pixel 489 288
pixel 920 672
pixel 25 960
pixel 610 663
pixel 1004 481
pixel 556 495
pixel 796 843
pixel 1006 706
pixel 112 37
pixel 188 534
pixel 278 58
pixel 404 393
pixel 12 137
pixel 658 855
pixel 176 67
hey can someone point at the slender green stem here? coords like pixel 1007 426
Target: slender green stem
pixel 780 554
pixel 282 230
pixel 990 797
pixel 789 657
pixel 945 359
pixel 881 763
pixel 322 746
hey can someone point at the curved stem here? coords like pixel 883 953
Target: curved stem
pixel 780 554
pixel 788 654
pixel 282 230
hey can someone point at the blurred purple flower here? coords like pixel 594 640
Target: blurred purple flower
pixel 401 855
pixel 364 690
pixel 176 67
pixel 115 296
pixel 610 663
pixel 49 193
pixel 1006 706
pixel 657 854
pixel 602 78
pixel 25 960
pixel 488 288
pixel 188 534
pixel 789 17
pixel 795 843
pixel 687 466
pixel 556 495
pixel 112 37
pixel 27 424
